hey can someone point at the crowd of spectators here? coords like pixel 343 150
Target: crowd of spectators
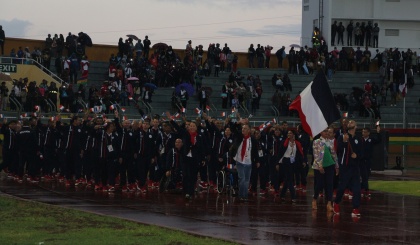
pixel 139 62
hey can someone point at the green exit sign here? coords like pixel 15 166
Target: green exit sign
pixel 8 68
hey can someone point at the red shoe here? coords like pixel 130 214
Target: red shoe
pixel 203 184
pixel 212 185
pixel 32 180
pixel 336 208
pixel 111 188
pixel 98 188
pixel 355 213
pixel 78 182
pixel 156 184
pixel 263 192
pixel 150 184
pixel 90 183
pixel 143 189
pixel 346 193
pixel 105 188
pixel 125 189
pixel 68 183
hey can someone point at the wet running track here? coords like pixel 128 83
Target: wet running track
pixel 386 218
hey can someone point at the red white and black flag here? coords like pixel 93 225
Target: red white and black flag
pixel 316 106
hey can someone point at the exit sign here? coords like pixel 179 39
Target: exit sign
pixel 8 68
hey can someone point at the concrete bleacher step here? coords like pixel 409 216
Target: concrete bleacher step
pixel 342 82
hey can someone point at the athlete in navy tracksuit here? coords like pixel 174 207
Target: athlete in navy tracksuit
pixel 365 164
pixel 349 149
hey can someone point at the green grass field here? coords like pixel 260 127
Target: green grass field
pixel 398 187
pixel 25 222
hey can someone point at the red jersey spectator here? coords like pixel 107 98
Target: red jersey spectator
pixel 368 87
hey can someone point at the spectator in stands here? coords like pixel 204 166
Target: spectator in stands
pixel 366 59
pixel 260 55
pixel 4 95
pixel 352 104
pixel 48 42
pixel 343 60
pixel 234 62
pixel 287 84
pixel 292 61
pixel 2 40
pixel 251 56
pixel 60 46
pixel 146 46
pixel 84 66
pixel 350 29
pixel 368 87
pixel 63 96
pixel 13 55
pixel 52 93
pixel 223 58
pixel 367 103
pixel 74 68
pixel 267 50
pixel 224 94
pixel 147 95
pixel 358 56
pixel 276 99
pixel 121 46
pixel 279 83
pixel 229 60
pixel 46 58
pixel 280 54
pixel 258 91
pixel 384 90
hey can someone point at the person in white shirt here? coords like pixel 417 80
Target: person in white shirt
pixel 245 152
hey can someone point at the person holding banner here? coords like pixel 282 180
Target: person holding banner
pixel 349 148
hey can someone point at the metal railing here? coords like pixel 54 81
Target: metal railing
pixel 244 109
pixel 276 111
pixel 28 61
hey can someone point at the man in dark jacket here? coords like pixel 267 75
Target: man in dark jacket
pixel 349 149
pixel 367 147
pixel 2 40
pixel 28 152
